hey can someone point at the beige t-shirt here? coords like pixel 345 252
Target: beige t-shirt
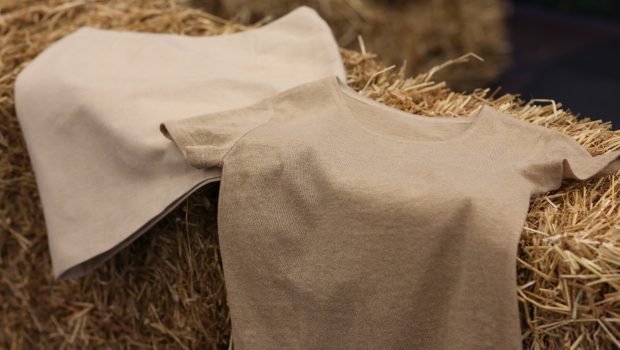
pixel 347 224
pixel 90 107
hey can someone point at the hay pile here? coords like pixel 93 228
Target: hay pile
pixel 425 33
pixel 167 290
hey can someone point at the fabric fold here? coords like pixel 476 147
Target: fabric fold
pixel 557 156
pixel 90 108
pixel 585 167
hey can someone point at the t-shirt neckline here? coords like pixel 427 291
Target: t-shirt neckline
pixel 343 91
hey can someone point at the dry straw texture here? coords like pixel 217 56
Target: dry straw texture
pixel 166 290
pixel 423 32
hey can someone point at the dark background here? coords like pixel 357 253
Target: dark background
pixel 569 51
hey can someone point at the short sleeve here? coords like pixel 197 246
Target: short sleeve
pixel 558 156
pixel 205 140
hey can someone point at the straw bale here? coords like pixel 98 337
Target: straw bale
pixel 167 290
pixel 424 33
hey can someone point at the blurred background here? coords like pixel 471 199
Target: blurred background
pixel 565 50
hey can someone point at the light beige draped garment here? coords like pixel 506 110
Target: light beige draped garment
pixel 90 107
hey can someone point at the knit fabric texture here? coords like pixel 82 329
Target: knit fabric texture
pixel 347 224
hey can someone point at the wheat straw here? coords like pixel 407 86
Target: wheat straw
pixel 166 290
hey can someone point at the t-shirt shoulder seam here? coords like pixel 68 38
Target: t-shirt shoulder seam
pixel 542 132
pixel 511 121
pixel 271 114
pixel 540 141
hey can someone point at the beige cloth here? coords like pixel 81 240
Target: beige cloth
pixel 90 107
pixel 347 224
